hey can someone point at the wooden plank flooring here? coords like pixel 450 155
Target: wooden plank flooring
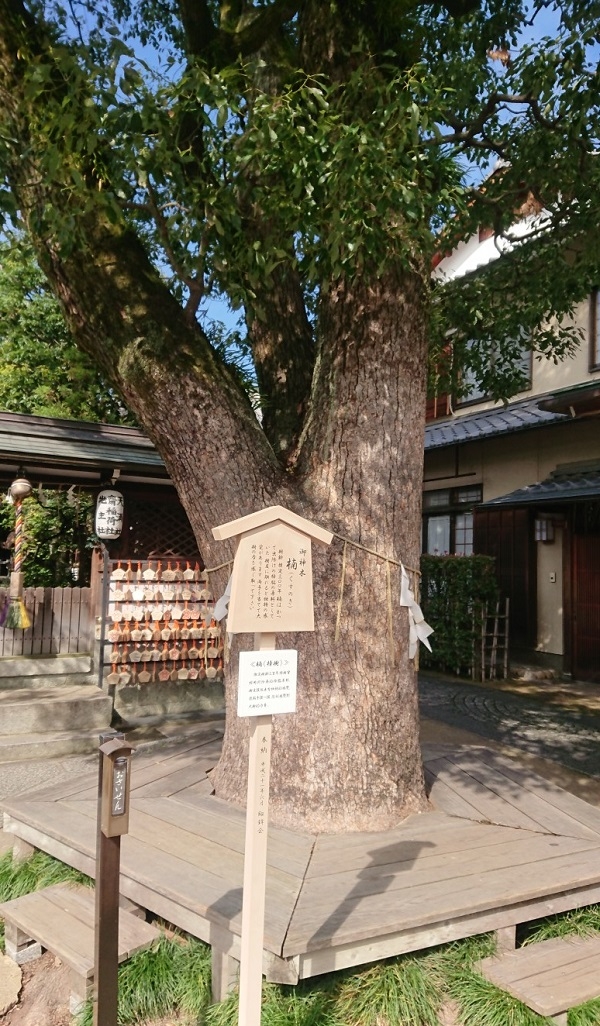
pixel 501 846
pixel 61 918
pixel 479 784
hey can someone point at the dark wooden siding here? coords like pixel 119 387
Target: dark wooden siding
pixel 585 592
pixel 438 406
pixel 507 534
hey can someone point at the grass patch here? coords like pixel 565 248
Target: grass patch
pixel 580 922
pixel 173 977
pixel 24 876
pixel 310 1003
pixel 400 991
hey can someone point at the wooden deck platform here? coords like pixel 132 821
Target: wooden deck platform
pixel 500 847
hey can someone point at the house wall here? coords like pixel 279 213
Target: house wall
pixel 547 376
pixel 453 466
pixel 505 463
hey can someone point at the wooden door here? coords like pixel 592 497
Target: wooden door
pixel 507 534
pixel 585 592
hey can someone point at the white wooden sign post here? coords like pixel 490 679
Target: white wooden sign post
pixel 271 591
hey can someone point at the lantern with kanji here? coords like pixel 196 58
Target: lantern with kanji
pixel 109 514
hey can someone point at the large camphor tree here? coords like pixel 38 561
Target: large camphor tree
pixel 305 159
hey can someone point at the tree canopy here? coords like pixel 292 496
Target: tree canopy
pixel 306 160
pixel 237 147
pixel 41 369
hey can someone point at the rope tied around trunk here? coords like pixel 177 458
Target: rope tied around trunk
pixel 419 630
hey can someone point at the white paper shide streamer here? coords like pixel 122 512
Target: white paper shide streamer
pixel 419 630
pixel 220 610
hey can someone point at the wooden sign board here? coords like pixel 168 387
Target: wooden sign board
pixel 271 584
pixel 271 591
pixel 267 682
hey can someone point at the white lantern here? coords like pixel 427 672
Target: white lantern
pixel 109 514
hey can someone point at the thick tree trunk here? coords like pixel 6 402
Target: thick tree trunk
pixel 349 758
pixel 283 353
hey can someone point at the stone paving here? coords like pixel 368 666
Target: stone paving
pixel 556 723
pixel 18 777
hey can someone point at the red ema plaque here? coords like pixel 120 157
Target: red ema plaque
pixel 271 585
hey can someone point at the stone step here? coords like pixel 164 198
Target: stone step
pixel 43 666
pixel 48 680
pixel 44 710
pixel 32 747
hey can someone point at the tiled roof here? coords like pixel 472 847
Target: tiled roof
pixel 556 488
pixel 470 427
pixel 55 442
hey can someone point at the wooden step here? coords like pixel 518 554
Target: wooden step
pixel 60 919
pixel 550 976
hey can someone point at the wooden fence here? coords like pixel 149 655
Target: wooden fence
pixel 61 624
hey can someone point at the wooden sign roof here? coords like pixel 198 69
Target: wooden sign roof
pixel 271 515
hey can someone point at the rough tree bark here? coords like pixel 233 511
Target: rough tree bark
pixel 349 758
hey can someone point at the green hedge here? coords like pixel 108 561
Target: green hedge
pixel 453 591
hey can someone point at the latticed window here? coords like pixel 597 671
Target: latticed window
pixel 155 529
pixel 448 520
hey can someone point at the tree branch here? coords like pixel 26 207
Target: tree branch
pixel 239 33
pixel 116 304
pixel 250 37
pixel 456 8
pixel 194 283
pixel 198 26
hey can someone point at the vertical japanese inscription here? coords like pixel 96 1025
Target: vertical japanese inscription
pixel 262 784
pixel 272 582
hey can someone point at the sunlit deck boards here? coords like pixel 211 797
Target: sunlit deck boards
pixel 501 847
pixel 475 783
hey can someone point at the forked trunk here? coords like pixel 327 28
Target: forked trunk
pixel 349 758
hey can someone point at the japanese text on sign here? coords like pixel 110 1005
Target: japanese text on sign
pixel 267 682
pixel 273 579
pixel 109 514
pixel 271 589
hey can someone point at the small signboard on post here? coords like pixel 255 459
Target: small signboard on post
pixel 271 591
pixel 271 585
pixel 267 682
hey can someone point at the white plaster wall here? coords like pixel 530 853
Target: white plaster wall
pixel 550 595
pixel 546 376
pixel 573 370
